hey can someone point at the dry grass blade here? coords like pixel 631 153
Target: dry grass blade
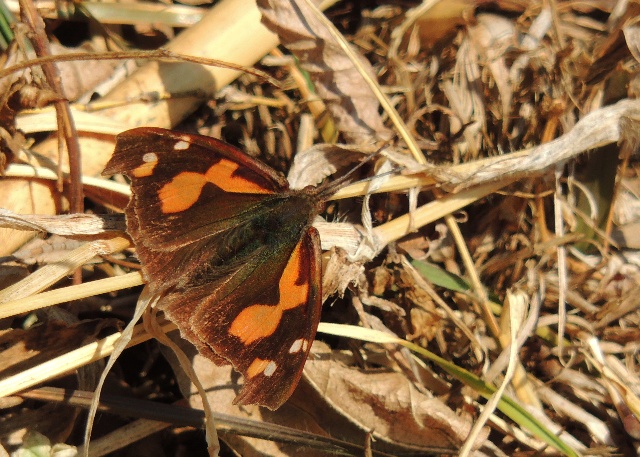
pixel 69 362
pixel 50 274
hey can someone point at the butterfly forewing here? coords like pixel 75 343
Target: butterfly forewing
pixel 169 175
pixel 231 252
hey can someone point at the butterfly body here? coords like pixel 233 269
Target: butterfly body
pixel 231 252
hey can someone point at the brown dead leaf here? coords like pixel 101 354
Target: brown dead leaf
pixel 80 78
pixel 333 400
pixel 312 166
pixel 350 101
pixel 416 245
pixel 386 404
pixel 440 21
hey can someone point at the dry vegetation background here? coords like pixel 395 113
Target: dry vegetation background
pixel 500 246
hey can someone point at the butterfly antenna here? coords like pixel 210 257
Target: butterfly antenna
pixel 333 186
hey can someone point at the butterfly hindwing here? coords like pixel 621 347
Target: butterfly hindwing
pixel 267 340
pixel 231 252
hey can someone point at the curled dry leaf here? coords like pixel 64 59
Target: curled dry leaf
pixel 310 167
pixel 386 403
pixel 79 78
pixel 616 46
pixel 350 101
pixel 337 401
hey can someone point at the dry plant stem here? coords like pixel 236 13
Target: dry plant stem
pixel 562 263
pixel 396 183
pixel 151 324
pixel 67 127
pixel 629 145
pixel 70 225
pixel 597 428
pixel 70 361
pixel 27 171
pixel 123 436
pixel 514 311
pixel 50 274
pixel 66 294
pixel 437 209
pixel 160 55
pixel 44 120
pixel 231 31
pixel 541 220
pixel 314 104
pixel 480 291
pixel 548 135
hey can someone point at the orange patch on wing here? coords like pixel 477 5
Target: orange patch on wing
pixel 144 170
pixel 182 192
pixel 221 174
pixel 185 188
pixel 149 162
pixel 257 366
pixel 260 321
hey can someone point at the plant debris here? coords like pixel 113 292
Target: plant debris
pixel 481 289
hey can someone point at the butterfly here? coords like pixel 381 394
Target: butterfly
pixel 231 252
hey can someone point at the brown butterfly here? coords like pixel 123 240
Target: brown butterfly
pixel 230 250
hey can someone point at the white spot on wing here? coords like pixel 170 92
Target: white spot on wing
pixel 270 368
pixel 150 157
pixel 297 345
pixel 181 146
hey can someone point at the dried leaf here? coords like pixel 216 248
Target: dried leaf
pixel 350 101
pixel 387 404
pixel 312 166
